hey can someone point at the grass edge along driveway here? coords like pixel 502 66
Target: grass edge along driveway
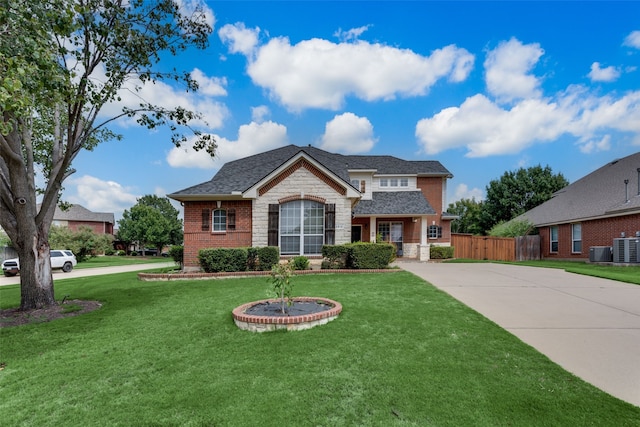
pixel 401 353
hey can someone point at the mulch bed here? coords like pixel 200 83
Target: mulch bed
pixel 15 317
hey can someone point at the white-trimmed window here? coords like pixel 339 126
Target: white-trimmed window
pixel 384 182
pixel 404 182
pixel 393 182
pixel 219 222
pixel 301 227
pixel 360 184
pixel 553 238
pixel 576 238
pixel 434 232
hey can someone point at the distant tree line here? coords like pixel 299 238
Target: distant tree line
pixel 508 197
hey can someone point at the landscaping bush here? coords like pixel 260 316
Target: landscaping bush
pixel 300 263
pixel 362 255
pixel 268 256
pixel 121 252
pixel 252 259
pixel 176 252
pixel 334 257
pixel 214 260
pixel 441 252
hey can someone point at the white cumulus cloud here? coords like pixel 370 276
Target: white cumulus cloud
pixel 239 39
pixel 507 70
pixel 348 134
pixel 463 191
pixel 633 39
pixel 485 127
pixel 607 74
pixel 198 10
pixel 317 73
pixel 98 195
pixel 134 92
pixel 351 34
pixel 253 138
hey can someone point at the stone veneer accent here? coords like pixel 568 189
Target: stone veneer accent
pixel 302 163
pixel 297 184
pixel 253 323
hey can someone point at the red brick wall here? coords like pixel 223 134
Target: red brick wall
pixel 432 189
pixel 97 227
pixel 600 232
pixel 196 239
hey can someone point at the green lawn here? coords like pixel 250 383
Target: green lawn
pixel 630 274
pixel 112 261
pixel 402 353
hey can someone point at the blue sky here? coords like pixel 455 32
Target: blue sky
pixel 483 87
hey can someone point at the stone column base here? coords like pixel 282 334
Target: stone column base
pixel 423 253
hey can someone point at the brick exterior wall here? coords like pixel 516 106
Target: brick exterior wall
pixel 433 190
pixel 97 227
pixel 195 238
pixel 600 232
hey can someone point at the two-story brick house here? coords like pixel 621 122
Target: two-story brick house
pixel 299 198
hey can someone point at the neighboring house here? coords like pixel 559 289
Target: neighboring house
pixel 77 216
pixel 299 198
pixel 592 211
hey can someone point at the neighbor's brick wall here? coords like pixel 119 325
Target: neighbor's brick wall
pixel 196 239
pixel 300 183
pixel 97 227
pixel 600 232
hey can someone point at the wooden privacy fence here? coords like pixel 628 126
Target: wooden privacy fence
pixel 496 248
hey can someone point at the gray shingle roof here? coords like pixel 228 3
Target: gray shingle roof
pixel 80 213
pixel 599 194
pixel 405 203
pixel 241 174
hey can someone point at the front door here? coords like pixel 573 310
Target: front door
pixel 391 232
pixel 396 236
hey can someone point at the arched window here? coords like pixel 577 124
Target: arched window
pixel 301 227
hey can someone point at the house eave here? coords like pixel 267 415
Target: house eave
pixel 204 197
pixel 588 218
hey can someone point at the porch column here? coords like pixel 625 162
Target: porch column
pixel 373 228
pixel 423 248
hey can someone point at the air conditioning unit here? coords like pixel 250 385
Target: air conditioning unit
pixel 626 250
pixel 600 254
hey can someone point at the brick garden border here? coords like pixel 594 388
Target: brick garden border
pixel 256 323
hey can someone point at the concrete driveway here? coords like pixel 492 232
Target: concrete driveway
pixel 85 272
pixel 587 325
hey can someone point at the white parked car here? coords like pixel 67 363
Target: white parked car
pixel 63 259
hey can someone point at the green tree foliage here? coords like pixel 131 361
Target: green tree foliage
pixel 517 192
pixel 84 242
pixel 513 228
pixel 61 63
pixel 152 221
pixel 469 212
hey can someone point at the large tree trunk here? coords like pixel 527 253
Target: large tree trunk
pixel 36 280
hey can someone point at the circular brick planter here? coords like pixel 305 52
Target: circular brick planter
pixel 255 323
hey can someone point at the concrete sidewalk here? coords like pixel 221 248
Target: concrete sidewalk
pixel 98 271
pixel 587 325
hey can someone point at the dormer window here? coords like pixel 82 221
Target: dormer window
pixel 384 182
pixel 360 184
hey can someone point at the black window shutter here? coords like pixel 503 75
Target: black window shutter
pixel 439 231
pixel 205 219
pixel 274 217
pixel 330 224
pixel 231 219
